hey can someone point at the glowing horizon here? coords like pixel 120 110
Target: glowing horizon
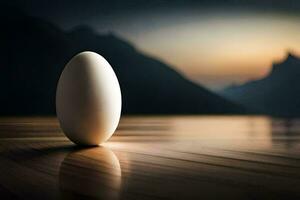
pixel 217 48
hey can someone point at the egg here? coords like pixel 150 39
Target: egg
pixel 88 99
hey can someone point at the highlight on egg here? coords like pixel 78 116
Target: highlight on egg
pixel 88 99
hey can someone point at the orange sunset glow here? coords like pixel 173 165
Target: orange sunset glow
pixel 219 49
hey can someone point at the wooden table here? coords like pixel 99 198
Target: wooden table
pixel 155 157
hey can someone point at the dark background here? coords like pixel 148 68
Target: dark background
pixel 38 38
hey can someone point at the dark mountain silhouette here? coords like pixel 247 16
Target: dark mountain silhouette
pixel 33 53
pixel 278 94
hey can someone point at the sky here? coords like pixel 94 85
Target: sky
pixel 215 43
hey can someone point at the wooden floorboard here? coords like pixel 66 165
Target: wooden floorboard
pixel 154 157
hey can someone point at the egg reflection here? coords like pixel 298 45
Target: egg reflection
pixel 90 173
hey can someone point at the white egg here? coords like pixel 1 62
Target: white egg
pixel 88 99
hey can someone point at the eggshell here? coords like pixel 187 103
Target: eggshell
pixel 88 99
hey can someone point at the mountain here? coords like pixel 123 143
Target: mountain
pixel 278 94
pixel 33 53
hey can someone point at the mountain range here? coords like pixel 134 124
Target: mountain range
pixel 277 94
pixel 33 53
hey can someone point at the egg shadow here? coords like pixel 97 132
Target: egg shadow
pixel 90 173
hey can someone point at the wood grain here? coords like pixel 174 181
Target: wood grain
pixel 154 157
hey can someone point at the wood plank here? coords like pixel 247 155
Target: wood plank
pixel 153 157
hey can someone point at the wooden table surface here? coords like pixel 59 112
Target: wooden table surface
pixel 155 157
